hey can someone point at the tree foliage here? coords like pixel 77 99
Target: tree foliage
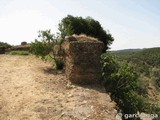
pixel 4 44
pixel 40 48
pixel 78 25
pixel 43 46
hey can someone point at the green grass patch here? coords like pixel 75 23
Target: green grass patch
pixel 19 53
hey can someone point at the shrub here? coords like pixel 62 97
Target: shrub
pixel 44 48
pixel 121 82
pixel 40 48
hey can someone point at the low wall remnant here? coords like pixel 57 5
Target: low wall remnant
pixel 82 59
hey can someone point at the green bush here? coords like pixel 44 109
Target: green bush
pixel 19 53
pixel 121 82
pixel 44 48
pixel 118 76
pixel 40 48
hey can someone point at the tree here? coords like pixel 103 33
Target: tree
pixel 46 36
pixel 43 47
pixel 5 45
pixel 78 25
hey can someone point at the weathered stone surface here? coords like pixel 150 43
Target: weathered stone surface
pixel 82 59
pixel 20 47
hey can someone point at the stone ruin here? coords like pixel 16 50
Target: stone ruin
pixel 19 48
pixel 82 59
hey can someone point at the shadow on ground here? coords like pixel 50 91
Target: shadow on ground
pixel 53 71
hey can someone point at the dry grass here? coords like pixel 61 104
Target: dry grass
pixel 83 37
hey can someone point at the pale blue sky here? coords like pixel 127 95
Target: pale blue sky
pixel 133 23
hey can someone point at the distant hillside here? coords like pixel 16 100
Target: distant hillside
pixel 125 50
pixel 150 56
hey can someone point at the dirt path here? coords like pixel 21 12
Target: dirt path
pixel 30 90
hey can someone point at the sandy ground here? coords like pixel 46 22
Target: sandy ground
pixel 31 90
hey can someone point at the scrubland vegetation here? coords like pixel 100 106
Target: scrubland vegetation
pixel 131 78
pixel 146 63
pixel 146 66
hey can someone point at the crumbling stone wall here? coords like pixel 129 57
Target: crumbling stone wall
pixel 19 48
pixel 82 59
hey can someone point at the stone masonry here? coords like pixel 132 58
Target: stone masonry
pixel 82 57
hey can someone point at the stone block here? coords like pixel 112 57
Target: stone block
pixel 82 59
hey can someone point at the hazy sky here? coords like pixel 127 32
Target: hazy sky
pixel 133 23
